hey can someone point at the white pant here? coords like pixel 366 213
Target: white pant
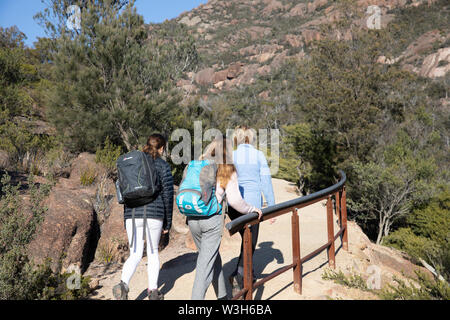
pixel 153 234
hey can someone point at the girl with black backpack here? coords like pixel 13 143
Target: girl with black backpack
pixel 154 218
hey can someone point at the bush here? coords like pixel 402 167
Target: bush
pixel 108 155
pixel 56 162
pixel 404 239
pixel 20 278
pixel 88 177
pixel 426 233
pixel 351 281
pixel 424 288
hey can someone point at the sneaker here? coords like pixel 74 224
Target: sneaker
pixel 155 294
pixel 236 284
pixel 120 291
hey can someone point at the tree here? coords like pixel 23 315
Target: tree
pixel 387 189
pixel 112 77
pixel 306 156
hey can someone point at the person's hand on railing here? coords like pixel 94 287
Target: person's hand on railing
pixel 259 212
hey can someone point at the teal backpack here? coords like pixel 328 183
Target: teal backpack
pixel 196 195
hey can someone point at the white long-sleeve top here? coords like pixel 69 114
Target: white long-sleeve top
pixel 234 196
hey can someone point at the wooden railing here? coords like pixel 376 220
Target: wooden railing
pixel 336 192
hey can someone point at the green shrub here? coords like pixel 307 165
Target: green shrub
pixel 88 176
pixel 351 281
pixel 404 239
pixel 426 234
pixel 108 155
pixel 424 288
pixel 56 161
pixel 20 278
pixel 432 220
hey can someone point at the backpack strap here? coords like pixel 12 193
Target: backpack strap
pixel 145 222
pixel 152 178
pixel 224 204
pixel 134 224
pixel 133 227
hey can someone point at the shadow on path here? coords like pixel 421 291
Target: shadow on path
pixel 264 254
pixel 171 271
pixel 303 275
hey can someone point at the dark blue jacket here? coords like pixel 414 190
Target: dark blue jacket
pixel 162 206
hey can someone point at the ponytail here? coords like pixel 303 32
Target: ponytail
pixel 154 143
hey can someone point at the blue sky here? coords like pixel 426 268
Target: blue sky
pixel 21 12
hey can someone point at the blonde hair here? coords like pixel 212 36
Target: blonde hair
pixel 221 152
pixel 243 134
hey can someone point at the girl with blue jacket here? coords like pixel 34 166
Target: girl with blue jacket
pixel 254 181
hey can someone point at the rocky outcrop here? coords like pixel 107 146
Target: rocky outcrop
pixel 113 242
pixel 310 36
pixel 363 253
pixel 190 21
pixel 70 230
pixel 437 64
pixel 272 5
pixel 294 41
pixel 205 76
pixel 298 10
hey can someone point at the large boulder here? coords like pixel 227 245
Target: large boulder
pixel 205 76
pixel 220 76
pixel 69 231
pixel 234 70
pixel 85 163
pixel 113 242
pixel 310 35
pixel 272 6
pixel 298 10
pixel 437 64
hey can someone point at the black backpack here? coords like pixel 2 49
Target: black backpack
pixel 138 183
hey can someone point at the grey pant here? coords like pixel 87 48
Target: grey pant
pixel 207 234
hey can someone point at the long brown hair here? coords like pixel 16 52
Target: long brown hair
pixel 154 143
pixel 225 166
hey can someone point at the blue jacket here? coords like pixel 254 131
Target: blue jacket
pixel 162 206
pixel 253 175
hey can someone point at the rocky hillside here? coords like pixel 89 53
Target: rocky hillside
pixel 242 40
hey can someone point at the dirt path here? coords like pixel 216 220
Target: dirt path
pixel 274 250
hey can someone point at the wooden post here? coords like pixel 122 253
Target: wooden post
pixel 344 220
pixel 296 252
pixel 338 207
pixel 331 251
pixel 248 263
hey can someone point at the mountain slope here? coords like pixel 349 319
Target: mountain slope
pixel 241 40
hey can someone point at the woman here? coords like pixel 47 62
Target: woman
pixel 254 180
pixel 158 215
pixel 207 231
